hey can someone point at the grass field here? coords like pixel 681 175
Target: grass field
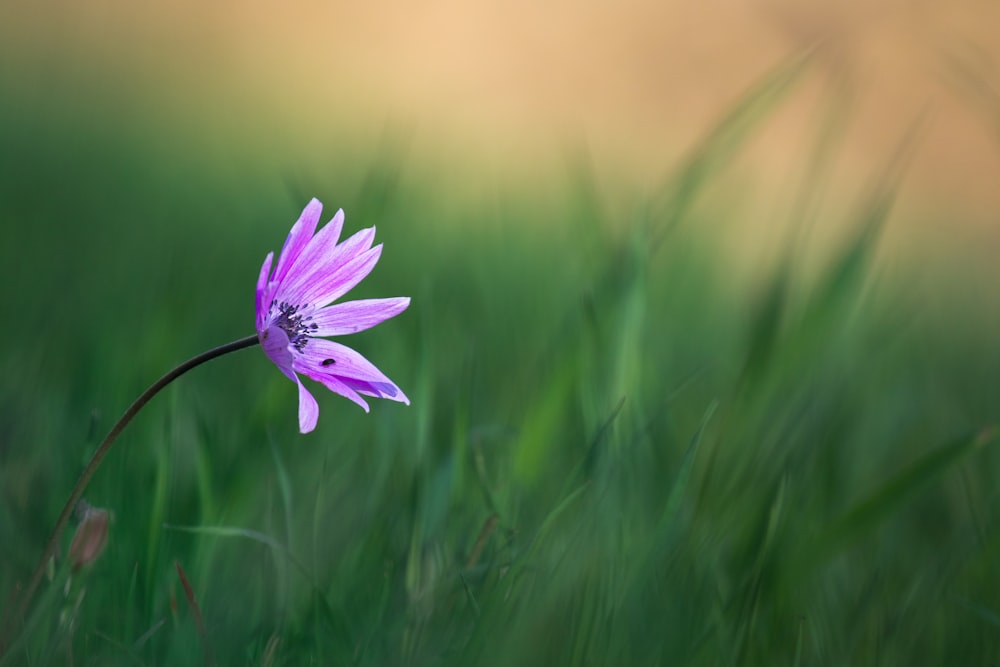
pixel 616 452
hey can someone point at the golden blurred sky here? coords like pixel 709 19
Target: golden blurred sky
pixel 517 84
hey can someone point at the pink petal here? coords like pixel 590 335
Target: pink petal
pixel 353 316
pixel 262 306
pixel 274 340
pixel 308 409
pixel 339 387
pixel 298 238
pixel 336 284
pixel 377 389
pixel 321 260
pixel 324 358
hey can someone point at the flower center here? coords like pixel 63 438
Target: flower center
pixel 290 319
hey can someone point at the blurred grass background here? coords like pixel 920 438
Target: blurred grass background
pixel 702 373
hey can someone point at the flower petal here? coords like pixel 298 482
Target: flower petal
pixel 348 386
pixel 377 389
pixel 275 343
pixel 308 409
pixel 274 340
pixel 352 316
pixel 314 254
pixel 298 238
pixel 338 283
pixel 339 387
pixel 324 358
pixel 320 261
pixel 265 269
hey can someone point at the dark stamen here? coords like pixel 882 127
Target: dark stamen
pixel 290 319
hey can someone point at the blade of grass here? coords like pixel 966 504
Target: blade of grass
pixel 671 510
pixel 832 126
pixel 756 584
pixel 504 598
pixel 247 534
pixel 668 521
pixel 199 620
pixel 877 508
pixel 285 489
pixel 158 511
pixel 148 634
pixel 244 533
pixel 843 279
pixel 799 642
pixel 722 142
pixel 541 426
pixel 983 612
pixel 130 602
pixel 203 472
pixel 764 332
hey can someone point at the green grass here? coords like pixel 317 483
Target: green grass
pixel 614 455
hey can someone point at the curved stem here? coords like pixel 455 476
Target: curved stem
pixel 102 451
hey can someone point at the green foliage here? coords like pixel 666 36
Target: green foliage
pixel 614 455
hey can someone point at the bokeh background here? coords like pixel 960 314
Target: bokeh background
pixel 677 367
pixel 516 87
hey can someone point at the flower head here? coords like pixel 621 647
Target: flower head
pixel 294 312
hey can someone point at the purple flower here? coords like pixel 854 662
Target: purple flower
pixel 294 311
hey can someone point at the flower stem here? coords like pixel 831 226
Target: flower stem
pixel 98 456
